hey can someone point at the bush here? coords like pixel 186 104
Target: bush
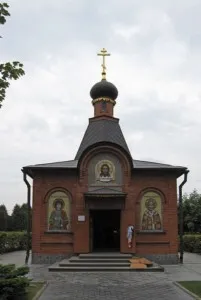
pixel 12 241
pixel 192 243
pixel 13 283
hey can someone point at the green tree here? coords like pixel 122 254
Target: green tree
pixel 20 217
pixel 3 221
pixel 17 218
pixel 24 211
pixel 192 212
pixel 3 218
pixel 8 70
pixel 9 223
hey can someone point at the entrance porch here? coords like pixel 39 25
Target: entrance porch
pixel 105 223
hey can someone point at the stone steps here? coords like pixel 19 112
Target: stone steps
pixel 57 268
pixel 105 256
pixel 102 262
pixel 97 260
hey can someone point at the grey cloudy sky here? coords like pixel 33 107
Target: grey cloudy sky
pixel 155 63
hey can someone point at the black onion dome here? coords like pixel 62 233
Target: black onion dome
pixel 104 89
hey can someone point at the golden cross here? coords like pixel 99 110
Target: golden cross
pixel 103 53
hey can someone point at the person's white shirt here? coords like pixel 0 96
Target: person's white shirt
pixel 130 231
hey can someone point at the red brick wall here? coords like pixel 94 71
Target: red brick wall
pixel 42 241
pixel 78 241
pixel 98 109
pixel 158 243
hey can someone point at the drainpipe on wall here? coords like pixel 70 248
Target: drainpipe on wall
pixel 181 228
pixel 28 217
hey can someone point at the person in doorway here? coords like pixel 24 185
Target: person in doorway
pixel 130 231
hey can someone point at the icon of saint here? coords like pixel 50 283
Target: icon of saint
pixel 151 219
pixel 58 219
pixel 105 175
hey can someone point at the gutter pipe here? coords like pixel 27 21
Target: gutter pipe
pixel 181 227
pixel 28 216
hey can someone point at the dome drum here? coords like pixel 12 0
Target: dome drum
pixel 106 99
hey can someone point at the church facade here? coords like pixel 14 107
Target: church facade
pixel 87 204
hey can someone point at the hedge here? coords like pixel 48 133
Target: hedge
pixel 12 241
pixel 13 282
pixel 192 243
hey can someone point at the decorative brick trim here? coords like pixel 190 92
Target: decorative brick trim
pixel 57 189
pixel 153 243
pixel 85 159
pixel 56 243
pixel 58 232
pixel 151 232
pixel 151 189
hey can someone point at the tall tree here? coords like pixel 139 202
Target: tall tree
pixel 3 208
pixel 17 218
pixel 192 212
pixel 3 218
pixel 24 211
pixel 20 217
pixel 8 70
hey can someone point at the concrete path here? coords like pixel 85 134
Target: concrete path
pixel 17 258
pixel 113 286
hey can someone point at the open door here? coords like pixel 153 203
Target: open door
pixel 105 230
pixel 91 233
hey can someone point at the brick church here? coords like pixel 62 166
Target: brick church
pixel 87 204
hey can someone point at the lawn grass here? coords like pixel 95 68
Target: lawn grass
pixel 33 289
pixel 192 286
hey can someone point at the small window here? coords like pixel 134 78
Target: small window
pixel 103 106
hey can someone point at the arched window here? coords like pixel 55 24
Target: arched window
pixel 151 211
pixel 59 211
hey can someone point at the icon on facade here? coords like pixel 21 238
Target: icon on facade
pixel 105 171
pixel 58 212
pixel 151 212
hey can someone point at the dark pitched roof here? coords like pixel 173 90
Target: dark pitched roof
pixel 137 164
pixel 102 130
pixel 140 164
pixel 55 165
pixel 60 165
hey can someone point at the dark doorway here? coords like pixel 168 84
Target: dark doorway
pixel 105 230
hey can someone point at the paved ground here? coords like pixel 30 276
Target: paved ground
pixel 114 286
pixel 17 258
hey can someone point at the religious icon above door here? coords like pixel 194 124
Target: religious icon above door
pixel 105 171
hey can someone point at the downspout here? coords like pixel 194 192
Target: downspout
pixel 28 216
pixel 181 227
